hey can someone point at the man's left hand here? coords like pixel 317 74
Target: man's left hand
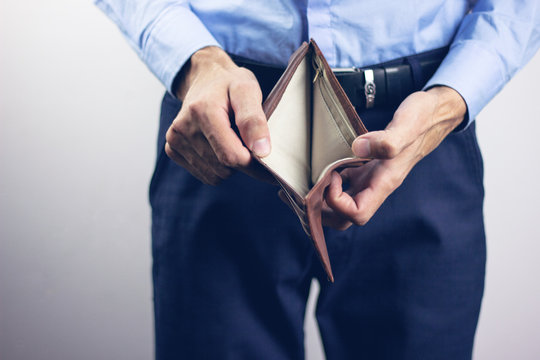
pixel 419 125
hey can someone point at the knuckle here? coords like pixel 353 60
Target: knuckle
pixel 388 148
pixel 227 158
pixel 361 219
pixel 391 182
pixel 169 137
pixel 250 119
pixel 177 128
pixel 173 140
pixel 174 133
pixel 246 74
pixel 246 81
pixel 396 181
pixel 190 159
pixel 244 86
pixel 197 108
pixel 181 129
pixel 168 150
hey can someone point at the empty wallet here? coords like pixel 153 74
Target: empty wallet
pixel 312 126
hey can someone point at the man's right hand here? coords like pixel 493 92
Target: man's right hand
pixel 214 91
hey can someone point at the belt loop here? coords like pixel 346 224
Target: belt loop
pixel 416 71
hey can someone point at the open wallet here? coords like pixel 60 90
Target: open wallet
pixel 312 127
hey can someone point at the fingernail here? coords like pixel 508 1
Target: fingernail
pixel 361 148
pixel 261 147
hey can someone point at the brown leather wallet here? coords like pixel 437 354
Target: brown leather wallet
pixel 312 126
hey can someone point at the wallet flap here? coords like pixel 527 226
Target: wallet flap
pixel 290 132
pixel 314 203
pixel 288 110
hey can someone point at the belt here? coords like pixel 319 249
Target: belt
pixel 383 85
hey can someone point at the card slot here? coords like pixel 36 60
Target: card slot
pixel 332 119
pixel 330 98
pixel 338 118
pixel 328 141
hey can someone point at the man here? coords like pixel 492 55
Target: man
pixel 232 267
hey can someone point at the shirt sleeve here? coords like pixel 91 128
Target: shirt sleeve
pixel 495 39
pixel 164 33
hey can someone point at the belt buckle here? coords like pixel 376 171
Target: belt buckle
pixel 369 83
pixel 369 88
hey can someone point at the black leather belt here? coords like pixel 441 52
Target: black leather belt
pixel 382 85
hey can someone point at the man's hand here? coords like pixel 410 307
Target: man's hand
pixel 215 90
pixel 419 125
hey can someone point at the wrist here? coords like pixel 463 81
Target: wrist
pixel 201 62
pixel 450 106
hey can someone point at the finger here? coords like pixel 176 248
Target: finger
pixel 246 101
pixel 215 125
pixel 196 151
pixel 339 201
pixel 181 161
pixel 198 142
pixel 358 178
pixel 207 157
pixel 328 216
pixel 360 207
pixel 207 177
pixel 384 144
pixel 332 219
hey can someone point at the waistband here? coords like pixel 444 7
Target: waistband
pixel 383 85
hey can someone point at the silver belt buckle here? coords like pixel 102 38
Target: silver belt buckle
pixel 369 83
pixel 369 88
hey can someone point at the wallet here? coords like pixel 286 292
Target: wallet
pixel 312 126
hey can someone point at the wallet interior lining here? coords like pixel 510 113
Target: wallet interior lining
pixel 290 132
pixel 308 129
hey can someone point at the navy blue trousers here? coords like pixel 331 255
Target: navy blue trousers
pixel 232 267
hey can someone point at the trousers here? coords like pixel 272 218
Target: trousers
pixel 232 266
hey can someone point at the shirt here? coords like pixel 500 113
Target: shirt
pixel 489 39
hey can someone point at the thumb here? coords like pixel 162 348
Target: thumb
pixel 384 144
pixel 246 101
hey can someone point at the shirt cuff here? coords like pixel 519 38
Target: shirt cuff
pixel 171 41
pixel 475 72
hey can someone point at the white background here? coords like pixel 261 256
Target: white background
pixel 78 119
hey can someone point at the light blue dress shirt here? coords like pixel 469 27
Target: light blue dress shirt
pixel 490 39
